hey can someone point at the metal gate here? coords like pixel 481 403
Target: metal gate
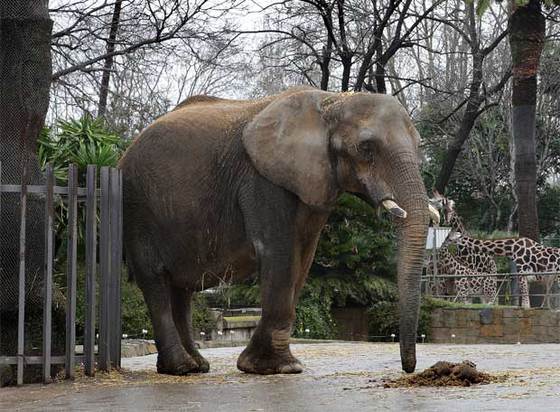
pixel 100 204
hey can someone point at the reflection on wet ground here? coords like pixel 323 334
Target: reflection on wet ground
pixel 337 377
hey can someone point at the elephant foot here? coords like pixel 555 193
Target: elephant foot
pixel 203 365
pixel 176 361
pixel 268 363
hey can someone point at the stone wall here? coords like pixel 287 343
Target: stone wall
pixel 494 325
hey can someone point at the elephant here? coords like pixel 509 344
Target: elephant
pixel 221 188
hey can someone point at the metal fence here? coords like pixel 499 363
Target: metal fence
pixel 544 292
pixel 101 206
pixel 544 287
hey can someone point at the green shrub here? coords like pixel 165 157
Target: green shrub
pixel 135 314
pixel 313 313
pixel 202 318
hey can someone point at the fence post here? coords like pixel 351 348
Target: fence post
pixel 21 289
pixel 435 273
pixel 118 246
pixel 47 294
pixel 115 282
pixel 514 283
pixel 105 267
pixel 91 264
pixel 71 258
pixel 0 229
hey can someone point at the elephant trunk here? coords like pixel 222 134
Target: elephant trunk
pixel 411 195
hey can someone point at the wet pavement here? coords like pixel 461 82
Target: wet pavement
pixel 337 377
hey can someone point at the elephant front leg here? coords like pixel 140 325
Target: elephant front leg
pixel 268 351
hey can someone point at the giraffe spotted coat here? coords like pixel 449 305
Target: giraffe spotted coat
pixel 528 256
pixel 467 287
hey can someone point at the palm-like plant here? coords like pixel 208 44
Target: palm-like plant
pixel 82 142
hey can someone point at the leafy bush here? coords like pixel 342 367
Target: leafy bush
pixel 135 314
pixel 202 318
pixel 313 312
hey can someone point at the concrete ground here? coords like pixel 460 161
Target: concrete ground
pixel 337 377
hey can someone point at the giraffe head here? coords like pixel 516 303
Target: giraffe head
pixel 445 205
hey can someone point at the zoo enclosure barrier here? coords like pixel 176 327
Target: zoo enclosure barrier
pixel 507 290
pixel 548 294
pixel 102 205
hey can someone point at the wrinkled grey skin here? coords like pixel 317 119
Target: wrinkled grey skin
pixel 221 189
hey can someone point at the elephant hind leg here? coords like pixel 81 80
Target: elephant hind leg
pixel 151 277
pixel 181 304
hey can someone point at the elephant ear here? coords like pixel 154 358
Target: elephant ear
pixel 288 143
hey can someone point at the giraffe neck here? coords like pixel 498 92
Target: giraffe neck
pixel 457 224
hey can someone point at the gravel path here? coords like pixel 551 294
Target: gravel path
pixel 337 377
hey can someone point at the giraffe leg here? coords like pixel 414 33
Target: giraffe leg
pixel 524 292
pixel 462 290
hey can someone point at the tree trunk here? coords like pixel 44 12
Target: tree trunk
pixel 325 65
pixel 346 67
pixel 25 76
pixel 108 65
pixel 526 38
pixel 467 122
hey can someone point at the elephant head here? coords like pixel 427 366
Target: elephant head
pixel 318 144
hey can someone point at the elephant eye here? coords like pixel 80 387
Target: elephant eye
pixel 366 149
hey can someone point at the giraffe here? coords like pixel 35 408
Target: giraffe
pixel 528 256
pixel 480 262
pixel 472 284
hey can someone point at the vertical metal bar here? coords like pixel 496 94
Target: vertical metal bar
pixel 71 260
pixel 21 290
pixel 435 279
pixel 91 263
pixel 105 267
pixel 514 284
pixel 47 293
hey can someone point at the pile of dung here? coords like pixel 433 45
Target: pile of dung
pixel 444 373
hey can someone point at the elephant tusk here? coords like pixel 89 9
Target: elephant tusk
pixel 394 209
pixel 434 214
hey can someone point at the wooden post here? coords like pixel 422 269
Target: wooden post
pixel 0 227
pixel 21 288
pixel 105 268
pixel 120 259
pixel 91 264
pixel 47 294
pixel 115 280
pixel 71 258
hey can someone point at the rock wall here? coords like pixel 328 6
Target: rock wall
pixel 494 325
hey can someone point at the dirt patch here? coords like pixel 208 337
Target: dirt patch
pixel 444 373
